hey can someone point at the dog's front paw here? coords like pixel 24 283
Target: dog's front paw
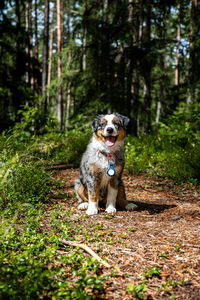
pixel 92 208
pixel 91 211
pixel 83 206
pixel 131 206
pixel 111 209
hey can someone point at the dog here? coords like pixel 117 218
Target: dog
pixel 102 164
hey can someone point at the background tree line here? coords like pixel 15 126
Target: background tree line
pixel 77 58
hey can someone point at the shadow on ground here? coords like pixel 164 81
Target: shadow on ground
pixel 153 208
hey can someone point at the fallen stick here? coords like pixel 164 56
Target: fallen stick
pixel 191 245
pixel 87 249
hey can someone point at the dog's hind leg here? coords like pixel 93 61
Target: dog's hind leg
pixel 81 194
pixel 121 198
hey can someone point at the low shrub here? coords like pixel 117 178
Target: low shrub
pixel 62 147
pixel 165 156
pixel 24 181
pixel 31 265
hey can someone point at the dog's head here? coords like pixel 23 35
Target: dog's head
pixel 110 129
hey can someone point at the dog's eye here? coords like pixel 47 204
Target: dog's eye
pixel 102 125
pixel 117 124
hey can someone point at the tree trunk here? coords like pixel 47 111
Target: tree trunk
pixel 16 97
pixel 136 80
pixel 161 99
pixel 50 54
pixel 68 104
pixel 45 55
pixel 133 86
pixel 158 113
pixel 36 32
pixel 84 48
pixel 147 73
pixel 177 58
pixel 59 46
pixel 30 30
pixel 194 64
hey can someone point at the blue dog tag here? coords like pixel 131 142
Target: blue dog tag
pixel 111 171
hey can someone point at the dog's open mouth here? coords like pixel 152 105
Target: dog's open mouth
pixel 110 140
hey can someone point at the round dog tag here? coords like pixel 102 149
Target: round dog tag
pixel 111 171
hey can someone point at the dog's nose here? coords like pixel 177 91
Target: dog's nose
pixel 109 130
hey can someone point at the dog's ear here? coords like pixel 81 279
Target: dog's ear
pixel 125 120
pixel 95 123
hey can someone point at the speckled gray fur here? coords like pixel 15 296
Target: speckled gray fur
pixel 93 157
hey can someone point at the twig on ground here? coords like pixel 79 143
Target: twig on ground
pixel 191 245
pixel 87 249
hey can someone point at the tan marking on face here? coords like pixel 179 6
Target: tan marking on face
pixel 82 193
pixel 99 135
pixel 115 120
pixel 104 121
pixel 121 134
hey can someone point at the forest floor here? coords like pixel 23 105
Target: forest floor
pixel 154 251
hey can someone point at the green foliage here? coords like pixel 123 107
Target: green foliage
pixel 174 152
pixel 137 290
pixel 24 182
pixel 30 266
pixel 66 148
pixel 34 121
pixel 151 272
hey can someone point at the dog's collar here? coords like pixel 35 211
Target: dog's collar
pixel 111 170
pixel 107 154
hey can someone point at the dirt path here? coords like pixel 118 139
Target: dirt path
pixel 161 237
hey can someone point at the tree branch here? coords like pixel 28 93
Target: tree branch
pixel 87 249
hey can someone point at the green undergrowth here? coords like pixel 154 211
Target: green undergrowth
pixel 65 147
pixel 167 154
pixel 169 287
pixel 173 151
pixel 34 265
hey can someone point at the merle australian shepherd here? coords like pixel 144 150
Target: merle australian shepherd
pixel 102 165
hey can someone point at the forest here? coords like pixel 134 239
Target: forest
pixel 74 59
pixel 61 64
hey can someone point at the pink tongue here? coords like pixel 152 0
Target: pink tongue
pixel 110 141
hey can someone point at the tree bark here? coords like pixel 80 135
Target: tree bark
pixel 36 32
pixel 68 104
pixel 133 81
pixel 45 55
pixel 147 72
pixel 194 61
pixel 59 46
pixel 177 58
pixel 30 30
pixel 19 73
pixel 50 54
